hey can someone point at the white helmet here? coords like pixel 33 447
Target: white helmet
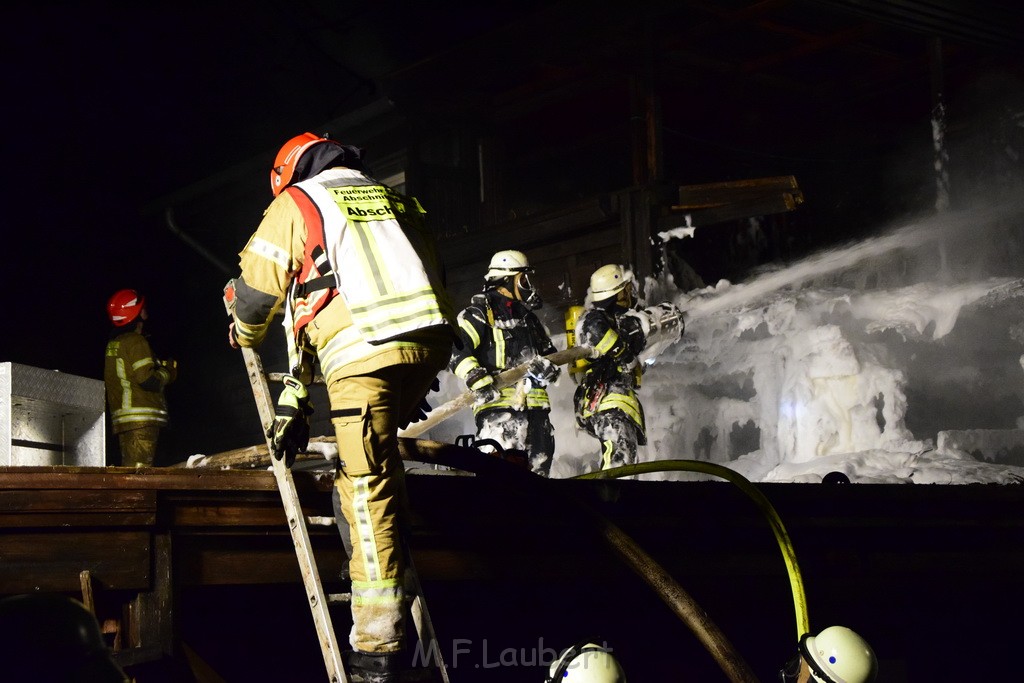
pixel 506 263
pixel 586 662
pixel 608 281
pixel 839 655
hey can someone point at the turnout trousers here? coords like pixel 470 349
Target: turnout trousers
pixel 619 437
pixel 138 446
pixel 527 430
pixel 366 412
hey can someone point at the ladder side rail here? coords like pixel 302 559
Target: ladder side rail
pixel 424 625
pixel 318 602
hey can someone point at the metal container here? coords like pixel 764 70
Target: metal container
pixel 51 418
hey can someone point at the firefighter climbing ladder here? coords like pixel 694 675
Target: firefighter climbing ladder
pixel 319 601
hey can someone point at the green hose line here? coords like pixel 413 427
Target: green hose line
pixel 782 538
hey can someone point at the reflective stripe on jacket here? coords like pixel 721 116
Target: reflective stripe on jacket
pixel 134 383
pixel 377 244
pixel 499 333
pixel 519 396
pixel 610 380
pixel 386 271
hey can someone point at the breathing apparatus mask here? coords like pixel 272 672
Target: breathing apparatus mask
pixel 626 298
pixel 524 290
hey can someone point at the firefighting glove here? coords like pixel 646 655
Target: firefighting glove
pixel 481 383
pixel 420 413
pixel 542 371
pixel 289 432
pixel 170 366
pixel 486 394
pixel 632 332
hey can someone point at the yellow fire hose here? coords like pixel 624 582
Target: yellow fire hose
pixel 781 536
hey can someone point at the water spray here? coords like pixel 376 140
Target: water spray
pixel 917 234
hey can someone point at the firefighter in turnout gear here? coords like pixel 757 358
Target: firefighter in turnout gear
pixel 354 266
pixel 499 330
pixel 606 401
pixel 135 381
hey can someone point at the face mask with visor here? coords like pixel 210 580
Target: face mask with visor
pixel 526 292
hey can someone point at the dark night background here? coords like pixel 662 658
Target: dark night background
pixel 118 113
pixel 114 107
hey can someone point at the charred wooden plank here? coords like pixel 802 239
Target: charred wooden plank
pixel 76 508
pixel 59 478
pixel 710 203
pixel 721 213
pixel 716 194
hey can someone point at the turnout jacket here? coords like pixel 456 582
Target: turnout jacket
pixel 135 382
pixel 610 381
pixel 356 270
pixel 498 333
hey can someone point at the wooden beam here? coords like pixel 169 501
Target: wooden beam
pixel 711 203
pixel 53 559
pixel 35 507
pixel 109 479
pixel 153 610
pixel 707 195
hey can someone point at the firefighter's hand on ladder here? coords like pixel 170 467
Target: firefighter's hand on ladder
pixel 289 432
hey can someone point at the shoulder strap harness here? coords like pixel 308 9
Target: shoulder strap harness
pixel 316 283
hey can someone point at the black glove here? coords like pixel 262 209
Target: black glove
pixel 420 412
pixel 481 383
pixel 169 368
pixel 486 394
pixel 542 371
pixel 632 332
pixel 289 432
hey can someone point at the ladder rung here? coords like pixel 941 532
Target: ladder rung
pixel 338 598
pixel 316 520
pixel 278 376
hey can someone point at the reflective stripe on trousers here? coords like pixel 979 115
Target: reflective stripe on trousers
pixel 618 436
pixel 371 487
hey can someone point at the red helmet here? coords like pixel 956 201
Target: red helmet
pixel 283 173
pixel 125 306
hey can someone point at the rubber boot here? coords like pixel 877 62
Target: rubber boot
pixel 364 667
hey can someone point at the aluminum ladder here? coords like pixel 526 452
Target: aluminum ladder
pixel 319 601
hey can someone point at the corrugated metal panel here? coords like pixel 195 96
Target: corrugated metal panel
pixel 50 418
